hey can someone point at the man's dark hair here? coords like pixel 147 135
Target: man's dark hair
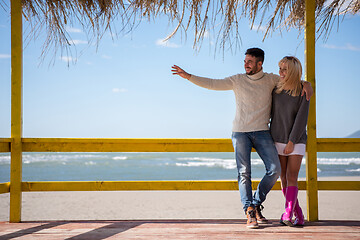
pixel 257 53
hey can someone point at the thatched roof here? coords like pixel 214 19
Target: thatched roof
pixel 223 16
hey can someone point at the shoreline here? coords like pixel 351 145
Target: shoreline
pixel 140 205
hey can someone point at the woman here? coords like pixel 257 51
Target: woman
pixel 288 129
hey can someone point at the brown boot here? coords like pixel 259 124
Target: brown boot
pixel 251 218
pixel 259 217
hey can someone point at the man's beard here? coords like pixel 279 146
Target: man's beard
pixel 253 71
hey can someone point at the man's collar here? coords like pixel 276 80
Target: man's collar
pixel 256 76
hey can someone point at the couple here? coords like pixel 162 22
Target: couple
pixel 259 97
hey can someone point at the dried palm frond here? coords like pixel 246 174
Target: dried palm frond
pixel 223 16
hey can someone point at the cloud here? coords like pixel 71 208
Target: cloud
pixel 68 59
pixel 73 30
pixel 5 56
pixel 206 34
pixel 106 56
pixel 346 47
pixel 119 90
pixel 257 27
pixel 77 42
pixel 162 43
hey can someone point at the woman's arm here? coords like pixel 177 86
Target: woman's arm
pixel 300 121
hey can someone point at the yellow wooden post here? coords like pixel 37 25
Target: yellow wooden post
pixel 311 157
pixel 16 111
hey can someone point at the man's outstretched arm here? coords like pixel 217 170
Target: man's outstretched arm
pixel 307 89
pixel 208 83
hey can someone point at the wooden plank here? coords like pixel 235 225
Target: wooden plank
pixel 134 185
pixel 125 145
pixel 154 229
pixel 16 111
pixel 311 157
pixel 339 185
pixel 5 144
pixel 338 145
pixel 158 145
pixel 141 185
pixel 4 187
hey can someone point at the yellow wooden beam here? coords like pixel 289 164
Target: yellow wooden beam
pixel 140 185
pixel 209 185
pixel 126 145
pixel 5 144
pixel 338 144
pixel 4 187
pixel 311 157
pixel 157 145
pixel 16 111
pixel 339 185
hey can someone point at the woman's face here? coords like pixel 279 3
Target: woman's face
pixel 283 70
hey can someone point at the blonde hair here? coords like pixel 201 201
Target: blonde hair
pixel 292 81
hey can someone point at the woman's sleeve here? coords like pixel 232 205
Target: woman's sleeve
pixel 213 84
pixel 300 122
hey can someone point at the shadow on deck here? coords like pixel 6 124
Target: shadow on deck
pixel 177 229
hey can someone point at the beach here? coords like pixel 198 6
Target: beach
pixel 142 205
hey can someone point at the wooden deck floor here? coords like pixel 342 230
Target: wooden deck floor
pixel 176 229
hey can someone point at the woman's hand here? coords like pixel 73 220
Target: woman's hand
pixel 176 70
pixel 289 148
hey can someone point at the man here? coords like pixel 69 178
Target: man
pixel 253 94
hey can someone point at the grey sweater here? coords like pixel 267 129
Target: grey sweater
pixel 289 118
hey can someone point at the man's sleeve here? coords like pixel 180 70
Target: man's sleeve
pixel 275 78
pixel 213 84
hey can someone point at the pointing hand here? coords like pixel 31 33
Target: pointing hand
pixel 176 70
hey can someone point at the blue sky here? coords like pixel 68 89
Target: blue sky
pixel 125 89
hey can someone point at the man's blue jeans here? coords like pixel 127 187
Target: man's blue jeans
pixel 262 142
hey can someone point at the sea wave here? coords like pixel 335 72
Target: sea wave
pixel 90 163
pixel 5 159
pixel 212 162
pixel 53 158
pixel 224 164
pixel 120 158
pixel 200 159
pixel 223 161
pixel 353 170
pixel 338 161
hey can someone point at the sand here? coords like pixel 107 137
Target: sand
pixel 121 205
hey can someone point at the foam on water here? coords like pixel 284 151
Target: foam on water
pixel 353 170
pixel 120 158
pixel 338 161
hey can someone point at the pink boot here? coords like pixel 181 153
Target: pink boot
pixel 299 217
pixel 291 197
pixel 284 192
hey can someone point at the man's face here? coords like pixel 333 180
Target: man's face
pixel 251 66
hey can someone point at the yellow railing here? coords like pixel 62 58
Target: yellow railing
pixel 158 145
pixel 155 145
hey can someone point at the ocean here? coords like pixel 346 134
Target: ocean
pixel 158 166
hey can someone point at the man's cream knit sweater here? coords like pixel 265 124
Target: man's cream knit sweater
pixel 252 95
